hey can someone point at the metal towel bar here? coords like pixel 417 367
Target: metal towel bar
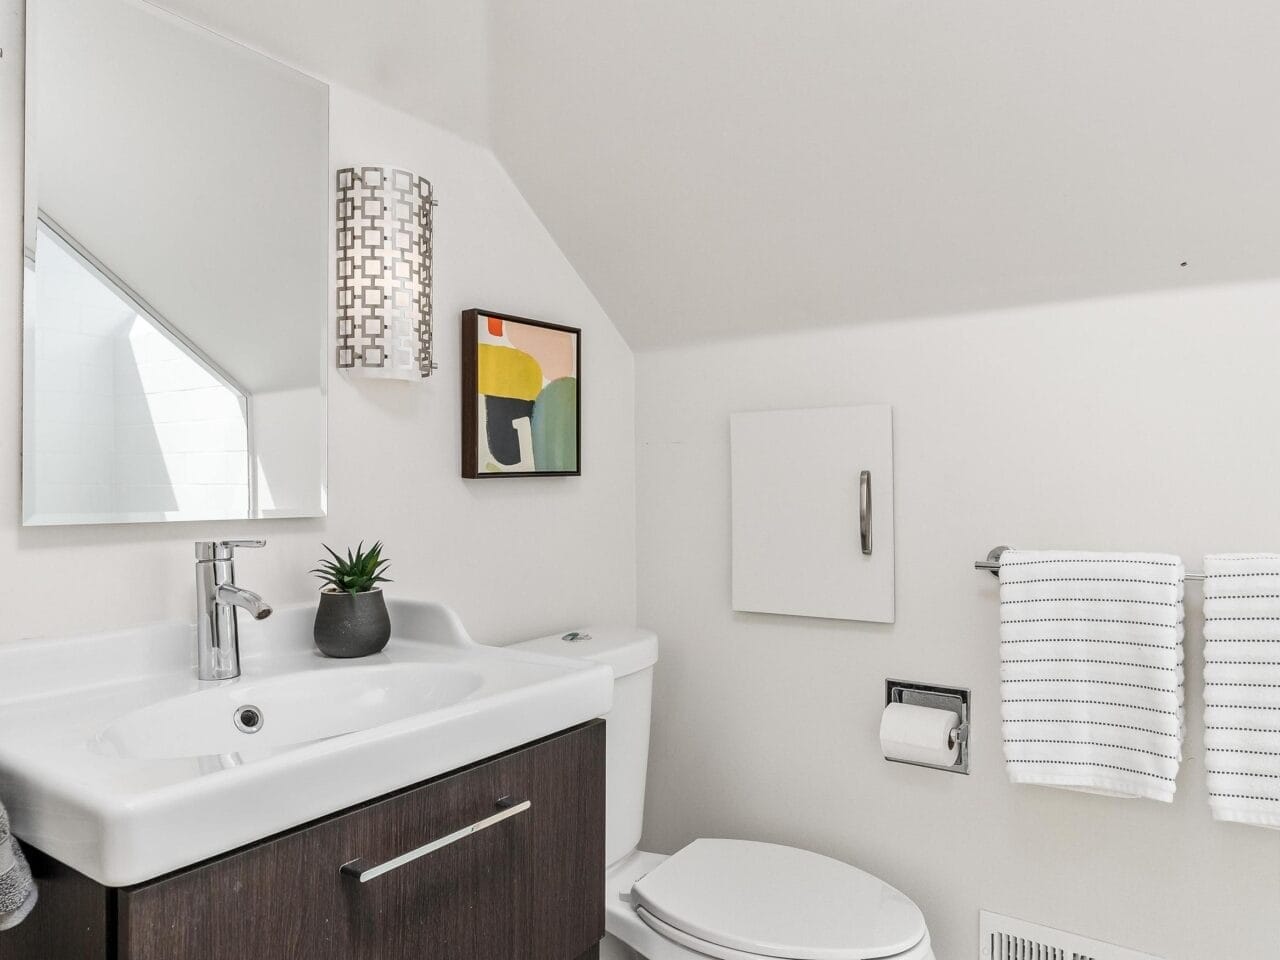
pixel 992 564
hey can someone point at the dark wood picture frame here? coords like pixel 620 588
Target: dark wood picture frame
pixel 471 320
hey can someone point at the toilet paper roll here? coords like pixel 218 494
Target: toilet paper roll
pixel 918 734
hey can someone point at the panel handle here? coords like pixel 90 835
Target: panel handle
pixel 864 511
pixel 223 549
pixel 359 871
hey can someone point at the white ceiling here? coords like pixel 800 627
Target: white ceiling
pixel 741 166
pixel 429 58
pixel 746 166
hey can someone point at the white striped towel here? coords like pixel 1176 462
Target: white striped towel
pixel 1242 687
pixel 1091 671
pixel 17 889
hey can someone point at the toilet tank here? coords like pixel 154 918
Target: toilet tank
pixel 631 652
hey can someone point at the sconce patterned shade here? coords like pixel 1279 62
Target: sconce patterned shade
pixel 384 273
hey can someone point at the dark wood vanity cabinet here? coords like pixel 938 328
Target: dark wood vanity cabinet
pixel 530 887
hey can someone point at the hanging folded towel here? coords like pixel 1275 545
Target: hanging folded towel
pixel 1091 670
pixel 1242 687
pixel 17 889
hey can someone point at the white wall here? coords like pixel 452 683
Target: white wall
pixel 1147 423
pixel 516 558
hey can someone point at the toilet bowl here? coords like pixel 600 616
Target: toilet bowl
pixel 722 898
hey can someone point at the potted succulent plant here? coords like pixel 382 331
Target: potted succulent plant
pixel 352 619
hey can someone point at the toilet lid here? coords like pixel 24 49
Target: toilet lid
pixel 775 901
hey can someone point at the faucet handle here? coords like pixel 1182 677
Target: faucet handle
pixel 223 549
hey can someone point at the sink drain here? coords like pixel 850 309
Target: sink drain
pixel 247 718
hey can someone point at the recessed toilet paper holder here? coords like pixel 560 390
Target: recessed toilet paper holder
pixel 939 697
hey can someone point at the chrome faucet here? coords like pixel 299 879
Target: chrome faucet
pixel 217 597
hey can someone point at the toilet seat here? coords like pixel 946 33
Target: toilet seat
pixel 744 900
pixel 693 943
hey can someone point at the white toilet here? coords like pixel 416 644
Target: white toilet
pixel 731 899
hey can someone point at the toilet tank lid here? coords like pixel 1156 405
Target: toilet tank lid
pixel 626 649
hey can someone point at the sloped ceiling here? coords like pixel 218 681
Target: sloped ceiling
pixel 429 58
pixel 718 167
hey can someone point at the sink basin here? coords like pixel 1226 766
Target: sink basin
pixel 249 720
pixel 117 761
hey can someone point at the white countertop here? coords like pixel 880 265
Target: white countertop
pixel 86 781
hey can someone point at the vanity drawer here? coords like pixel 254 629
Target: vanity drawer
pixel 525 883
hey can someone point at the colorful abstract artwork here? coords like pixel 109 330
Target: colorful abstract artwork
pixel 520 405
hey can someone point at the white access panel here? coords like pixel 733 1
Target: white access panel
pixel 798 539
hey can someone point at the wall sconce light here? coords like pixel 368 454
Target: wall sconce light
pixel 384 273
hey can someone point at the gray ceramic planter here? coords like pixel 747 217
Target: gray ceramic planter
pixel 352 626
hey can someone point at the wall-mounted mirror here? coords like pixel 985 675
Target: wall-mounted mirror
pixel 176 283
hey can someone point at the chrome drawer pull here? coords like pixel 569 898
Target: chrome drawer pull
pixel 357 870
pixel 864 511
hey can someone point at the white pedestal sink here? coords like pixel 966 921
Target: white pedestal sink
pixel 115 760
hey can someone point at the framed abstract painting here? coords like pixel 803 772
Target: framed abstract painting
pixel 521 408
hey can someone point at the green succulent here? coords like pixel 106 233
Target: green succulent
pixel 358 572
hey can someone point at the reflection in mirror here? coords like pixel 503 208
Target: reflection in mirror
pixel 175 290
pixel 133 421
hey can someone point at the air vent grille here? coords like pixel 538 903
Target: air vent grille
pixel 1006 947
pixel 1004 938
